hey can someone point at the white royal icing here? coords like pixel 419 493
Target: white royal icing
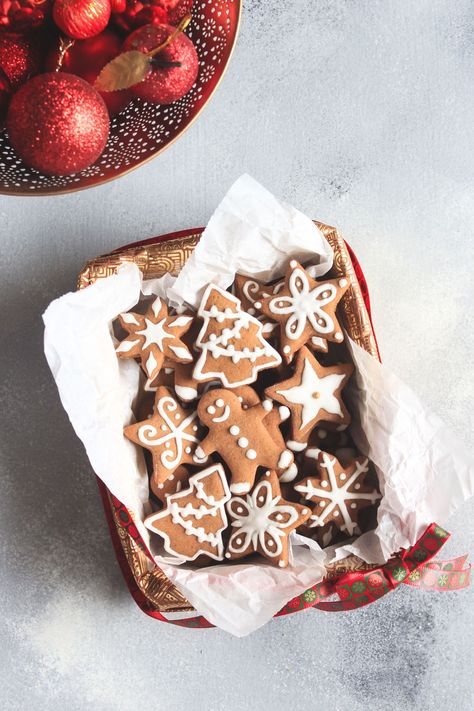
pixel 176 433
pixel 289 474
pixel 187 515
pixel 304 305
pixel 336 498
pixel 181 352
pixel 126 346
pixel 154 334
pixel 256 523
pixel 130 318
pixel 295 446
pixel 186 393
pixel 218 346
pixel 311 385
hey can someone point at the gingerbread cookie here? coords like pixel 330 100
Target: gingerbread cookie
pixel 335 441
pixel 248 290
pixel 313 395
pixel 305 308
pixel 193 519
pixel 171 434
pixel 173 484
pixel 339 493
pixel 262 522
pixel 154 337
pixel 240 437
pixel 232 346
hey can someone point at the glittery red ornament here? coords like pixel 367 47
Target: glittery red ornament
pixel 86 58
pixel 81 19
pixel 5 94
pixel 20 58
pixel 19 16
pixel 165 83
pixel 131 14
pixel 58 123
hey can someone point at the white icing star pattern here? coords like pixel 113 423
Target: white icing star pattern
pixel 334 497
pixel 315 394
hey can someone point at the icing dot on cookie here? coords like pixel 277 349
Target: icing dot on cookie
pixel 261 499
pixel 220 402
pixel 270 543
pixel 195 428
pixel 188 450
pixel 286 349
pixel 324 484
pixel 342 283
pixel 177 416
pixel 321 321
pixel 251 454
pixel 353 506
pixel 281 563
pixel 279 517
pixel 227 555
pixel 305 511
pixel 267 473
pixel 164 428
pixel 167 445
pixel 171 477
pixel 336 513
pixel 322 504
pixel 212 336
pixel 322 434
pixel 238 541
pixel 160 486
pixel 239 509
pixel 251 311
pixel 242 442
pixel 258 305
pixel 357 486
pixel 211 410
pixel 326 294
pixel 267 405
pixel 338 336
pixel 234 430
pixel 241 399
pixel 293 264
pixel 343 476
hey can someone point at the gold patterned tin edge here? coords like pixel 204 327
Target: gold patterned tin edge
pixel 155 260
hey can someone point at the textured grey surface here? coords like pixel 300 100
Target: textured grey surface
pixel 361 114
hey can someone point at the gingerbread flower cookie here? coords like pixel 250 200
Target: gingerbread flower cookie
pixel 262 521
pixel 154 337
pixel 192 522
pixel 232 346
pixel 171 434
pixel 305 309
pixel 249 290
pixel 240 437
pixel 313 395
pixel 339 493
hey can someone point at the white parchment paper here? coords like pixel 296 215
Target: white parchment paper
pixel 424 471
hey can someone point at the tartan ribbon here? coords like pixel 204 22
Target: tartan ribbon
pixel 415 567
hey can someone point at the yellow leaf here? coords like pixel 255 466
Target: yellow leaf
pixel 125 70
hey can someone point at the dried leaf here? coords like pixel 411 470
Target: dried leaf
pixel 125 70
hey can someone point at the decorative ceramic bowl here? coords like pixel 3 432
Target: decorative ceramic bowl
pixel 142 130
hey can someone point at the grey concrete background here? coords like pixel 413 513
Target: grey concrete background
pixel 360 113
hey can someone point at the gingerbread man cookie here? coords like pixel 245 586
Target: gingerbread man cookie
pixel 339 493
pixel 305 308
pixel 171 434
pixel 154 337
pixel 232 346
pixel 262 522
pixel 240 437
pixel 313 395
pixel 192 522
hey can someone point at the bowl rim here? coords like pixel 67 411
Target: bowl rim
pixel 68 190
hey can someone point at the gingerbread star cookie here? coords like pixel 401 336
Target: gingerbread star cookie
pixel 154 337
pixel 338 493
pixel 192 522
pixel 262 521
pixel 171 434
pixel 305 309
pixel 313 395
pixel 240 437
pixel 232 346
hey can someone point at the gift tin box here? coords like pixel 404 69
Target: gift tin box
pixel 354 581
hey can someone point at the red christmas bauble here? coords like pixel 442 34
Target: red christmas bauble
pixel 58 123
pixel 81 19
pixel 87 58
pixel 164 84
pixel 131 14
pixel 5 94
pixel 20 59
pixel 18 16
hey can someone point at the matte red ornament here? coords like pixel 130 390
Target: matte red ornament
pixel 58 123
pixel 19 16
pixel 173 70
pixel 20 59
pixel 81 19
pixel 86 58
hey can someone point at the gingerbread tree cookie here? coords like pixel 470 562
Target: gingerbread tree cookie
pixel 193 519
pixel 154 337
pixel 339 493
pixel 262 522
pixel 313 395
pixel 240 437
pixel 171 434
pixel 305 308
pixel 232 346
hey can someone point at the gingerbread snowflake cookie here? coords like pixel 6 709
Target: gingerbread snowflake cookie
pixel 305 309
pixel 240 437
pixel 232 346
pixel 192 522
pixel 313 394
pixel 171 434
pixel 338 493
pixel 153 337
pixel 262 521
